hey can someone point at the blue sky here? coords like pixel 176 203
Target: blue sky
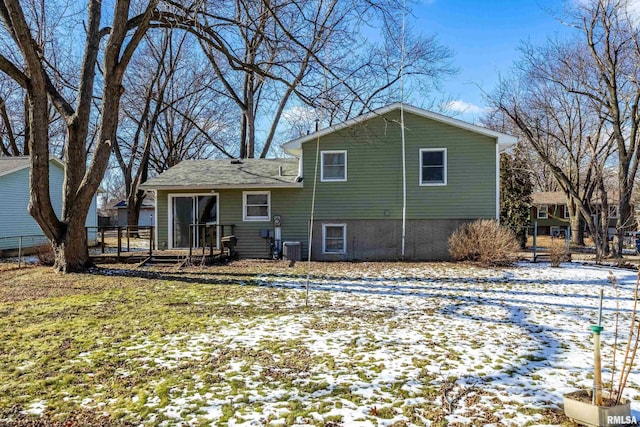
pixel 485 36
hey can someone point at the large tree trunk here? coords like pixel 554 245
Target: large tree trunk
pixel 132 214
pixel 625 218
pixel 71 251
pixel 576 224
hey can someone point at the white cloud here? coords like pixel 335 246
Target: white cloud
pixel 300 113
pixel 633 6
pixel 460 106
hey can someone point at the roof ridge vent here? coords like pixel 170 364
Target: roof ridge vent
pixel 236 161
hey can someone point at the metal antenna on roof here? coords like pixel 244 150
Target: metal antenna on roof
pixel 404 157
pixel 315 182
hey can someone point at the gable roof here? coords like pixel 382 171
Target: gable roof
pixel 14 164
pixel 227 173
pixel 504 140
pixel 559 198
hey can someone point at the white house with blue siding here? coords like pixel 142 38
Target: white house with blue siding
pixel 15 220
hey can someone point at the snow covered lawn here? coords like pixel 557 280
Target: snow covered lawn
pixel 388 344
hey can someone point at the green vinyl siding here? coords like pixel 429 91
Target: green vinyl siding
pixel 288 203
pixel 555 218
pixel 373 189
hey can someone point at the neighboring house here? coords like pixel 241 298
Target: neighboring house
pixel 452 177
pixel 549 209
pixel 14 193
pixel 145 219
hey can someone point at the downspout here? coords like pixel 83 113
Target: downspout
pixel 155 220
pixel 404 183
pixel 497 181
pixel 404 157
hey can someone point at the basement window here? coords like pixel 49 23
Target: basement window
pixel 334 238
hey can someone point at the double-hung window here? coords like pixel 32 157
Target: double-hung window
pixel 333 166
pixel 543 212
pixel 613 211
pixel 334 238
pixel 433 166
pixel 256 206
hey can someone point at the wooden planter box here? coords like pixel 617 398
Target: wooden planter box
pixel 588 414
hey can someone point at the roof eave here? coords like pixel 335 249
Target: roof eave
pixel 210 187
pixel 28 165
pixel 506 142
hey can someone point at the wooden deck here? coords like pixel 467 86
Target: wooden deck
pixel 167 258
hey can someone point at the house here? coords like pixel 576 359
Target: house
pixel 549 210
pixel 355 202
pixel 14 192
pixel 145 219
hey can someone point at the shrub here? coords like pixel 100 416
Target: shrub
pixel 483 241
pixel 45 254
pixel 557 253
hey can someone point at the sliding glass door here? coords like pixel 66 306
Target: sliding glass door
pixel 190 217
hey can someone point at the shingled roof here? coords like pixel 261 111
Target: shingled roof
pixel 549 198
pixel 559 198
pixel 216 174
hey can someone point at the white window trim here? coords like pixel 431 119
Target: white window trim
pixel 170 196
pixel 324 239
pixel 444 159
pixel 566 212
pixel 615 211
pixel 322 178
pixel 546 212
pixel 255 218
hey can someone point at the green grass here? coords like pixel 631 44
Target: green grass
pixel 122 347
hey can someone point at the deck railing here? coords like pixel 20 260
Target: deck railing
pixel 206 240
pixel 125 234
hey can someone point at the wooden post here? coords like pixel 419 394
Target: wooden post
pixel 102 240
pixel 191 236
pixel 119 242
pixel 535 240
pixel 20 252
pixel 128 242
pixel 597 368
pixel 597 362
pixel 214 230
pixel 150 240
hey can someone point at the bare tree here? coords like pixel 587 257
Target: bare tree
pixel 313 55
pixel 33 71
pixel 608 75
pixel 168 114
pixel 565 129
